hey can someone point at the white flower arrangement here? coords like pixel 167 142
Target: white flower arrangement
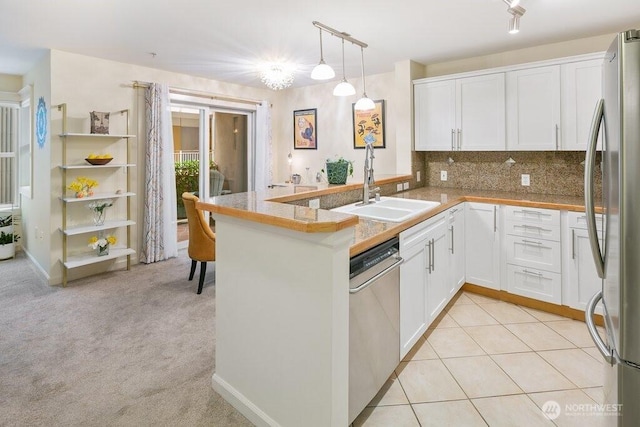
pixel 100 205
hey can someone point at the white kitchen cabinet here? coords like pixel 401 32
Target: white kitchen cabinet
pixel 582 277
pixel 435 115
pixel 581 89
pixel 465 114
pixel 457 245
pixel 482 244
pixel 533 254
pixel 533 109
pixel 423 278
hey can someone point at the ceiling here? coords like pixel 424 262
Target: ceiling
pixel 227 41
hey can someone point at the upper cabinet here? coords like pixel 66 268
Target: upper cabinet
pixel 460 114
pixel 581 90
pixel 533 109
pixel 538 106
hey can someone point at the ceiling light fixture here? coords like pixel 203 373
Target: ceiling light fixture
pixel 344 88
pixel 365 103
pixel 322 71
pixel 516 12
pixel 277 76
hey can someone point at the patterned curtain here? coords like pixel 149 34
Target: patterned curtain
pixel 160 233
pixel 8 142
pixel 263 167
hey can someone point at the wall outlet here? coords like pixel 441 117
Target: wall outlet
pixel 405 185
pixel 399 187
pixel 525 179
pixel 418 176
pixel 314 203
pixel 443 175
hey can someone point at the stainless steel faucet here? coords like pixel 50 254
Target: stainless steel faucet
pixel 368 175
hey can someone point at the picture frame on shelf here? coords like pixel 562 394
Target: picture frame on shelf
pixel 99 123
pixel 368 126
pixel 305 129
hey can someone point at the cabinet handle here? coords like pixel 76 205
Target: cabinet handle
pixel 573 243
pixel 429 257
pixel 453 144
pixel 452 239
pixel 459 139
pixel 495 224
pixel 557 141
pixel 530 242
pixel 433 255
pixel 532 273
pixel 525 226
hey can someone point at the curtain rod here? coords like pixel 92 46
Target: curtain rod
pixel 200 94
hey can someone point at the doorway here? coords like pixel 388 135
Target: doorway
pixel 221 137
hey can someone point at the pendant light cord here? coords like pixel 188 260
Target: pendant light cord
pixel 321 53
pixel 364 85
pixel 344 77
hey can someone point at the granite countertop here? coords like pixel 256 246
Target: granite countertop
pixel 267 207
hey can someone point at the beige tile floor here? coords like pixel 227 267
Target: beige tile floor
pixel 488 362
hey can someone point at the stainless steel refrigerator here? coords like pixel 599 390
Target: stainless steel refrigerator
pixel 618 258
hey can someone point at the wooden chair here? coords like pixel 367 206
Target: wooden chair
pixel 202 241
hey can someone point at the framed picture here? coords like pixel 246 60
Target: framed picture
pixel 305 129
pixel 368 126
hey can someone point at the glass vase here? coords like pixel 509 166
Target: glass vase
pixel 99 216
pixel 103 250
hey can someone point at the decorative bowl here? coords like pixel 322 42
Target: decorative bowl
pixel 99 161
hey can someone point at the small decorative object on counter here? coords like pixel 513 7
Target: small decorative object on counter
pixel 99 122
pixel 99 209
pixel 338 170
pixel 83 186
pixel 101 244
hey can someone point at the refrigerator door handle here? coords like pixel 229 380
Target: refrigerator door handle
pixel 590 161
pixel 604 349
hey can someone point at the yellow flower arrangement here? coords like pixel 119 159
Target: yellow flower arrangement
pixel 82 186
pixel 95 241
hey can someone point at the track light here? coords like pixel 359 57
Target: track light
pixel 344 88
pixel 514 24
pixel 322 71
pixel 516 12
pixel 364 103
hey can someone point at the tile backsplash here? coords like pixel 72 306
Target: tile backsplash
pixel 550 172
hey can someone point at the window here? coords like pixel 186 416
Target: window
pixel 8 159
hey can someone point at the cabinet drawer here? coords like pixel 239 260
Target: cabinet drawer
pixel 579 220
pixel 417 234
pixel 544 231
pixel 534 253
pixel 534 283
pixel 534 216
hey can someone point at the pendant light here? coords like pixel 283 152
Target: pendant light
pixel 364 103
pixel 344 88
pixel 322 71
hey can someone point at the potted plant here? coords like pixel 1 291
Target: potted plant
pixel 338 170
pixel 7 238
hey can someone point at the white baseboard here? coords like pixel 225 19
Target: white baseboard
pixel 241 403
pixel 39 268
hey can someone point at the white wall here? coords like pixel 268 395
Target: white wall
pixel 37 228
pixel 334 127
pixel 10 83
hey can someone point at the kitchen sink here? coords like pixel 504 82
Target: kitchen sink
pixel 389 209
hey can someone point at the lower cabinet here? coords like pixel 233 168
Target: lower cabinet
pixel 582 277
pixel 457 235
pixel 482 244
pixel 424 277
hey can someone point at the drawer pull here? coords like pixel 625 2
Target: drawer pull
pixel 535 227
pixel 573 243
pixel 529 242
pixel 532 273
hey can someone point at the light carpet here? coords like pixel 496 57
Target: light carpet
pixel 125 348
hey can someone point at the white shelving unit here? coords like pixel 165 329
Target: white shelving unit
pixel 87 257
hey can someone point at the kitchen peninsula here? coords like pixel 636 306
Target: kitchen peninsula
pixel 282 295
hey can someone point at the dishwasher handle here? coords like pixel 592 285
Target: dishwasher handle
pixel 384 272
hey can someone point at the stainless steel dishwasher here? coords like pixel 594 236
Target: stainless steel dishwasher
pixel 374 322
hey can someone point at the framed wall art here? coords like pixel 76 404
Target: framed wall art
pixel 368 126
pixel 305 129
